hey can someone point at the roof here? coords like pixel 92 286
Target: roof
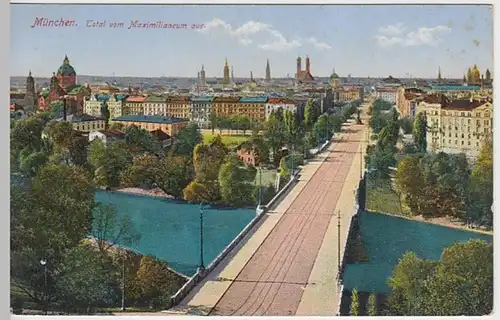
pixel 113 133
pixel 155 99
pixel 135 99
pixel 66 69
pixel 454 88
pixel 202 99
pixel 160 135
pixel 80 118
pixel 280 101
pixel 148 119
pixel 76 89
pixel 178 99
pixel 463 105
pixel 225 100
pixel 435 99
pixel 253 99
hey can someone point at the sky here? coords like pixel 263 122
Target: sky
pixel 361 40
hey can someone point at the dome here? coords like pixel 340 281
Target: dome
pixel 66 69
pixel 334 76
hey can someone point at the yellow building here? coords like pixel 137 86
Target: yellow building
pixel 156 106
pixel 86 123
pixel 225 106
pixel 151 123
pixel 457 126
pixel 134 105
pixel 92 106
pixel 115 106
pixel 252 107
pixel 349 93
pixel 178 107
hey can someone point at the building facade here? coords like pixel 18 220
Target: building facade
pixel 85 123
pixel 387 94
pixel 178 107
pixel 275 104
pixel 115 105
pixel 155 106
pixel 252 107
pixel 134 105
pixel 225 106
pixel 170 125
pixel 92 106
pixel 201 108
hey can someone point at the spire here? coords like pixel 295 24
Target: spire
pixel 202 68
pixel 66 60
pixel 226 64
pixel 29 75
pixel 439 78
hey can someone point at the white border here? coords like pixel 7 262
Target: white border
pixel 5 34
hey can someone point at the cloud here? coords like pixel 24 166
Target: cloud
pixel 430 36
pixel 392 30
pixel 265 35
pixel 318 44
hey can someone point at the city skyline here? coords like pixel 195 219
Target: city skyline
pixel 451 37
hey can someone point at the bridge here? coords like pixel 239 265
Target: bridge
pixel 288 263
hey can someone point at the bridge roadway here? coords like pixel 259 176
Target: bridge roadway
pixel 287 265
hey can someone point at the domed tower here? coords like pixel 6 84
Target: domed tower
pixel 335 80
pixel 30 96
pixel 54 83
pixel 299 66
pixel 66 74
pixel 308 64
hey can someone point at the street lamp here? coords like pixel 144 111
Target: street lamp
pixel 201 268
pixel 123 281
pixel 339 263
pixel 43 262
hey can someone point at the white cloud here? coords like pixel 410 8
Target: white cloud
pixel 266 37
pixel 392 30
pixel 430 36
pixel 318 44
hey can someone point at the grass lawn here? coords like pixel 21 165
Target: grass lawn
pixel 383 199
pixel 230 141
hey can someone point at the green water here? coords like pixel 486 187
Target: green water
pixel 170 230
pixel 387 238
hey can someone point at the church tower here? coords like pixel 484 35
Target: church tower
pixel 308 65
pixel 268 72
pixel 232 74
pixel 299 66
pixel 439 78
pixel 251 76
pixel 226 73
pixel 30 96
pixel 203 80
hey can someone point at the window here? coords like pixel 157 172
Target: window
pixel 449 141
pixel 462 142
pixel 478 123
pixel 486 122
pixel 456 141
pixel 468 121
pixel 444 141
pixel 462 135
pixel 462 114
pixel 487 114
pixel 468 142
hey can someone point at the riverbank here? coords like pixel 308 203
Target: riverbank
pixel 156 192
pixel 442 221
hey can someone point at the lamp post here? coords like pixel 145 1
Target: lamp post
pixel 65 110
pixel 43 262
pixel 202 264
pixel 123 281
pixel 260 186
pixel 339 263
pixel 293 161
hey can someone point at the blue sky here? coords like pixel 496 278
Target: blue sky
pixel 360 40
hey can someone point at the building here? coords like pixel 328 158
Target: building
pixel 134 105
pixel 155 106
pixel 348 93
pixel 115 105
pixel 169 125
pixel 252 107
pixel 63 87
pixel 29 103
pixel 225 106
pixel 303 76
pixel 92 106
pixel 248 156
pixel 226 80
pixel 268 72
pixel 106 136
pixel 203 79
pixel 163 139
pixel 387 94
pixel 457 126
pixel 284 104
pixel 201 108
pixel 85 123
pixel 335 80
pixel 178 107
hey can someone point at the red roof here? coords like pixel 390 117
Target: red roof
pixel 160 135
pixel 280 101
pixel 135 99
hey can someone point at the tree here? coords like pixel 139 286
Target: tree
pixel 52 216
pixel 335 122
pixel 274 136
pixel 372 305
pixel 27 134
pixel 109 230
pixel 105 113
pixel 236 182
pixel 461 283
pixel 116 126
pixel 138 139
pixel 83 280
pixel 259 146
pixel 410 182
pixel 481 186
pixel 310 114
pixel 195 192
pixel 185 141
pixel 30 164
pixel 354 303
pixel 406 124
pixel 108 162
pixel 61 133
pixel 214 121
pixel 291 128
pixel 78 149
pixel 420 132
pixel 171 174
